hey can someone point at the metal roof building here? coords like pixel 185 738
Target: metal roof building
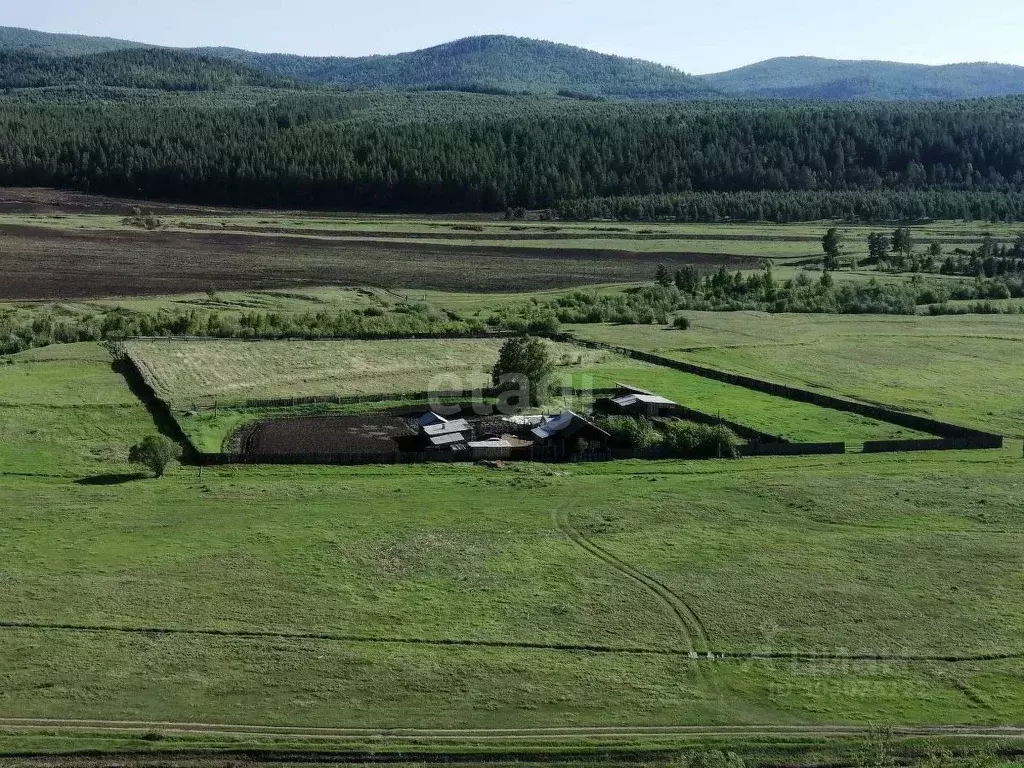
pixel 568 425
pixel 641 402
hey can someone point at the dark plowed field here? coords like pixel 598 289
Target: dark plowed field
pixel 44 200
pixel 326 436
pixel 44 263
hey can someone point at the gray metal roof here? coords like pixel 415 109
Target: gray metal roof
pixel 430 418
pixel 627 400
pixel 450 439
pixel 496 442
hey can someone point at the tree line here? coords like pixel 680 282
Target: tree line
pixel 875 205
pixel 473 152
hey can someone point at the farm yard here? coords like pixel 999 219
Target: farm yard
pixel 325 435
pixel 228 374
pixel 846 590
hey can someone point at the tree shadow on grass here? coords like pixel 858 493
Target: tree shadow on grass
pixel 158 409
pixel 112 479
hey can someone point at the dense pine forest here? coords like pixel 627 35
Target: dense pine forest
pixel 162 70
pixel 449 151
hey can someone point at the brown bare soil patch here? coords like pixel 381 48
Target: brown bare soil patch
pixel 42 263
pixel 326 436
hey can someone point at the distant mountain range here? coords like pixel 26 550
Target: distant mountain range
pixel 491 63
pixel 805 77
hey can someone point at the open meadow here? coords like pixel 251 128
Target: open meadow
pixel 891 589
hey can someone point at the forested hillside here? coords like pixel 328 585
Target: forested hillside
pixel 491 62
pixel 805 77
pixel 156 69
pixel 468 152
pixel 50 44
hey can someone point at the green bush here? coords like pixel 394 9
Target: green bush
pixel 155 452
pixel 700 441
pixel 629 432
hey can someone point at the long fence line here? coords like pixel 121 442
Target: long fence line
pixel 161 410
pixel 955 437
pixel 427 336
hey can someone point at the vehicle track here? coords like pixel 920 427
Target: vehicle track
pixel 491 734
pixel 693 629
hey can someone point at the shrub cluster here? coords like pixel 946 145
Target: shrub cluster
pixel 21 331
pixel 682 439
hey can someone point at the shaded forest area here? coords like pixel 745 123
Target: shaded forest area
pixel 462 152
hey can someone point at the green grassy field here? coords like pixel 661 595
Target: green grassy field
pixel 966 370
pixel 64 411
pixel 458 596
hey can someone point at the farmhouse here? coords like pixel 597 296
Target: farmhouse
pixel 569 431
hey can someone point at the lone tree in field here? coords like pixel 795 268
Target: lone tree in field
pixel 832 245
pixel 155 453
pixel 524 360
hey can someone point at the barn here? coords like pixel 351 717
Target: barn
pixel 631 401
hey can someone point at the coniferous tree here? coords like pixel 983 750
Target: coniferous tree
pixel 831 244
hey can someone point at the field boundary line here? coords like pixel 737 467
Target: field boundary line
pixel 795 656
pixel 335 637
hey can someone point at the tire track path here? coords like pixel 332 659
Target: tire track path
pixel 548 734
pixel 690 624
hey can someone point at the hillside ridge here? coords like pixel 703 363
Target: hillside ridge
pixel 507 64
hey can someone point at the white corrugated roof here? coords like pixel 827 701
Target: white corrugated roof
pixel 494 442
pixel 446 428
pixel 525 421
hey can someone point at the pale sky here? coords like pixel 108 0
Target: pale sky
pixel 698 37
